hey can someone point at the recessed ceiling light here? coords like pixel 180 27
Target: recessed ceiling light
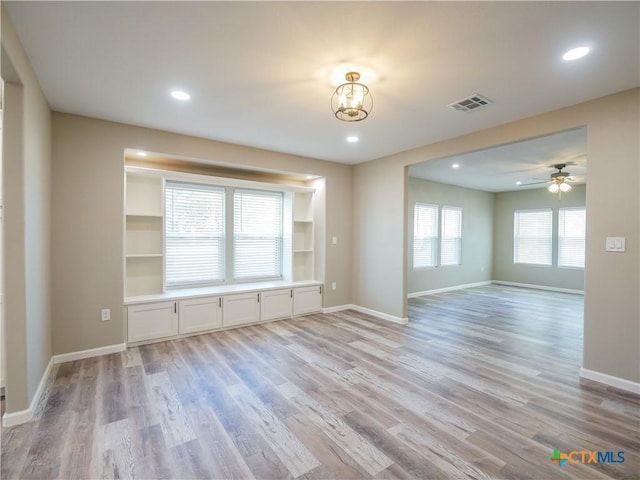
pixel 455 165
pixel 180 95
pixel 575 53
pixel 309 177
pixel 518 183
pixel 352 139
pixel 141 154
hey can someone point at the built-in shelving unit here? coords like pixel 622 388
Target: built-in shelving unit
pixel 144 248
pixel 154 312
pixel 303 258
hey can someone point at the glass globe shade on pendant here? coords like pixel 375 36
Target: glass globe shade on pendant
pixel 352 101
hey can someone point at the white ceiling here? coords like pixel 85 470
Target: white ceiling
pixel 498 169
pixel 260 72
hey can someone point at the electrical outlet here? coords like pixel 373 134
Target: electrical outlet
pixel 334 286
pixel 105 314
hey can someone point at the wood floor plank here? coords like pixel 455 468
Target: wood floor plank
pixel 170 414
pixel 116 451
pixel 77 453
pixel 336 463
pixel 293 454
pixel 442 457
pixel 366 455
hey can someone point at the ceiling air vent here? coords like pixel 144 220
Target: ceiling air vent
pixel 468 104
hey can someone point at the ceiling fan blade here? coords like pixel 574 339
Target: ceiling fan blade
pixel 535 183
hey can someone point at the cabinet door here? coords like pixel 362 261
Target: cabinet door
pixel 275 304
pixel 307 300
pixel 150 321
pixel 240 309
pixel 199 314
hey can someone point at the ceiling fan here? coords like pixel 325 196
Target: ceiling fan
pixel 558 181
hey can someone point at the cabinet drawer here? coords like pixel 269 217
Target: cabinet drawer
pixel 151 321
pixel 200 314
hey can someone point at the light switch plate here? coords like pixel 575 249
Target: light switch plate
pixel 105 314
pixel 615 244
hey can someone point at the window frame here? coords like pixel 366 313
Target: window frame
pixel 434 238
pixel 561 212
pixel 235 277
pixel 548 238
pixel 457 238
pixel 221 239
pixel 227 240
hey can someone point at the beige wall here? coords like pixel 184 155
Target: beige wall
pixel 27 197
pixel 477 235
pixel 503 267
pixel 379 226
pixel 88 192
pixel 612 280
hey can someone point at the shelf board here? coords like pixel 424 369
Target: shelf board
pixel 144 255
pixel 303 251
pixel 139 214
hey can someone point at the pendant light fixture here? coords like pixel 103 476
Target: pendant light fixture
pixel 352 101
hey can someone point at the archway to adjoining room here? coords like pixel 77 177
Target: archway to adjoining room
pixel 489 217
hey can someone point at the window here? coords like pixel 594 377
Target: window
pixel 257 234
pixel 425 235
pixel 571 235
pixel 532 236
pixel 194 234
pixel 451 236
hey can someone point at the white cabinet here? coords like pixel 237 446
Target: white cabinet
pixel 307 300
pixel 240 309
pixel 200 314
pixel 156 319
pixel 151 321
pixel 276 304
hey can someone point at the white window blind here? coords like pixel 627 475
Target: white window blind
pixel 532 232
pixel 425 235
pixel 194 234
pixel 451 236
pixel 257 235
pixel 571 237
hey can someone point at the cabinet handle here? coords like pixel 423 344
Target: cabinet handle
pixel 291 292
pixel 175 307
pixel 258 298
pixel 220 302
pixel 320 289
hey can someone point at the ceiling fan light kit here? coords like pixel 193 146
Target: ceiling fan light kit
pixel 352 101
pixel 559 181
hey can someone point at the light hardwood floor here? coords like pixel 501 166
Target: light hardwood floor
pixel 482 383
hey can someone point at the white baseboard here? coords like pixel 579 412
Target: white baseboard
pixel 339 308
pixel 617 382
pixel 92 352
pixel 539 287
pixel 448 289
pixel 368 311
pixel 24 416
